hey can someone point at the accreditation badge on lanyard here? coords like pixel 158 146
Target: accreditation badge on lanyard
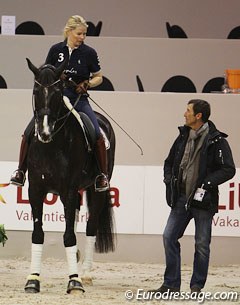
pixel 199 194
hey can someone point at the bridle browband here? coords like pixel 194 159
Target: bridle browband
pixel 52 68
pixel 47 86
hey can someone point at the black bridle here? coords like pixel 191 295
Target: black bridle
pixel 46 111
pixel 47 86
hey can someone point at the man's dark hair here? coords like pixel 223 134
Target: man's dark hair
pixel 201 106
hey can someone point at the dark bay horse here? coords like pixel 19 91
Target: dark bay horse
pixel 60 162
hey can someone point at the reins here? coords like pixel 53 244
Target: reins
pixel 65 116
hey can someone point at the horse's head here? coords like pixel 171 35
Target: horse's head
pixel 47 99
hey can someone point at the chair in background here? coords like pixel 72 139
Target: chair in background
pixel 175 31
pixel 234 33
pixel 139 83
pixel 98 28
pixel 29 28
pixel 213 84
pixel 3 83
pixel 94 30
pixel 90 29
pixel 233 79
pixel 179 83
pixel 106 85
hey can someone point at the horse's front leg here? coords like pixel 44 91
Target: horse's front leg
pixel 70 242
pixel 33 279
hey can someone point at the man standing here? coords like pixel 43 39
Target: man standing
pixel 199 160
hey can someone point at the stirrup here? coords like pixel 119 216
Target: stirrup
pixel 98 186
pixel 18 178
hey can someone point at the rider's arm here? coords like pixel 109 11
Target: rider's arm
pixel 95 80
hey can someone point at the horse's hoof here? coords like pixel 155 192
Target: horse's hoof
pixel 32 286
pixel 87 280
pixel 75 285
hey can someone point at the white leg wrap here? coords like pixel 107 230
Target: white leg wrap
pixel 37 250
pixel 71 253
pixel 88 256
pixel 76 220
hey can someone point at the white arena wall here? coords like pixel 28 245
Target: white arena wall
pixel 154 59
pixel 140 210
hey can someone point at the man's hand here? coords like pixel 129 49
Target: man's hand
pixel 82 87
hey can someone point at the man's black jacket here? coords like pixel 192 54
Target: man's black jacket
pixel 216 166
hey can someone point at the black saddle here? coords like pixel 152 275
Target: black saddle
pixel 89 129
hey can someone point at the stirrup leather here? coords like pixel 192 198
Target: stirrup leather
pixel 98 187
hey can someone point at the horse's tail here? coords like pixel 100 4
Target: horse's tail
pixel 105 237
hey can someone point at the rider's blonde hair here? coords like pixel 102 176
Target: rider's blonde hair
pixel 72 23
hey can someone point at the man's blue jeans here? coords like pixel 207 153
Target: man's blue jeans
pixel 177 222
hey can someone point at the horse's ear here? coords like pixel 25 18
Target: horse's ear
pixel 31 66
pixel 61 68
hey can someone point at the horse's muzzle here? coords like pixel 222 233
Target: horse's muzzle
pixel 44 138
pixel 45 130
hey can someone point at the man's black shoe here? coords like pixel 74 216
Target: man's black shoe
pixel 196 290
pixel 164 288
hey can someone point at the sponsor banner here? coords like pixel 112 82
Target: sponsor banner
pixel 15 209
pixel 225 223
pixel 138 200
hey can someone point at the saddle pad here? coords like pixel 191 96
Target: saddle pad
pixel 81 122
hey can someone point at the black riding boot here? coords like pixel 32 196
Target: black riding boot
pixel 101 181
pixel 18 177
